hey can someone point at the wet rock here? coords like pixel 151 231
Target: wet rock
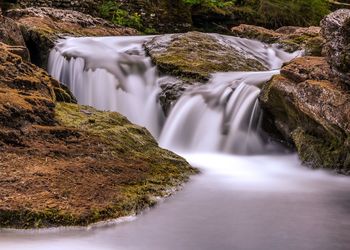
pixel 65 165
pixel 196 55
pixel 336 31
pixel 41 27
pixel 172 90
pixel 312 112
pixel 290 38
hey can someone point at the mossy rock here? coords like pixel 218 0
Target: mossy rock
pixel 197 55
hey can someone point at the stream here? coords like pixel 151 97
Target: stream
pixel 251 194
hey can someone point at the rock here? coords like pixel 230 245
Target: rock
pixel 290 38
pixel 65 165
pixel 336 31
pixel 312 112
pixel 41 27
pixel 172 90
pixel 196 55
pixel 256 32
pixel 11 34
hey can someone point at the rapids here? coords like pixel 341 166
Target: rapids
pixel 250 195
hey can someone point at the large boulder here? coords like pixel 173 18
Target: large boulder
pixel 63 164
pixel 336 31
pixel 197 55
pixel 41 27
pixel 312 112
pixel 290 38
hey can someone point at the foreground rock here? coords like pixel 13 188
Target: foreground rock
pixel 336 30
pixel 63 164
pixel 289 38
pixel 311 112
pixel 196 55
pixel 41 27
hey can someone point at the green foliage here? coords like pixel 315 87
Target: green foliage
pixel 111 10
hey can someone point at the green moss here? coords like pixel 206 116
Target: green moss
pixel 197 55
pixel 321 152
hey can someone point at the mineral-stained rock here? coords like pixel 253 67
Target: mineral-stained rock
pixel 196 55
pixel 312 112
pixel 63 164
pixel 290 38
pixel 41 27
pixel 336 31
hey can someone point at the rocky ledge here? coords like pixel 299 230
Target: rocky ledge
pixel 62 164
pixel 41 27
pixel 289 38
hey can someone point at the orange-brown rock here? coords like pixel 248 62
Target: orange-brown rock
pixel 312 112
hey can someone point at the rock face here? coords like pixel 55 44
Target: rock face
pixel 196 55
pixel 41 27
pixel 336 30
pixel 63 164
pixel 289 38
pixel 311 112
pixel 10 34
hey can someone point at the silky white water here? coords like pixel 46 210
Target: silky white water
pixel 249 195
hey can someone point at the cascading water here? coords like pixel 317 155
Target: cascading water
pixel 110 73
pixel 115 74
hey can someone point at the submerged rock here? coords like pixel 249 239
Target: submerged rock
pixel 41 27
pixel 312 112
pixel 63 164
pixel 290 38
pixel 196 55
pixel 336 31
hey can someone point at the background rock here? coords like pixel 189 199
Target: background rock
pixel 41 27
pixel 290 38
pixel 336 31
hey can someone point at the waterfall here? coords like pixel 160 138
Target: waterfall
pixel 222 116
pixel 110 74
pixel 114 73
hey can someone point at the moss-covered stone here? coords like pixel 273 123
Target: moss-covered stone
pixel 196 55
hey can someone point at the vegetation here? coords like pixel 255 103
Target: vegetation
pixel 111 10
pixel 268 13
